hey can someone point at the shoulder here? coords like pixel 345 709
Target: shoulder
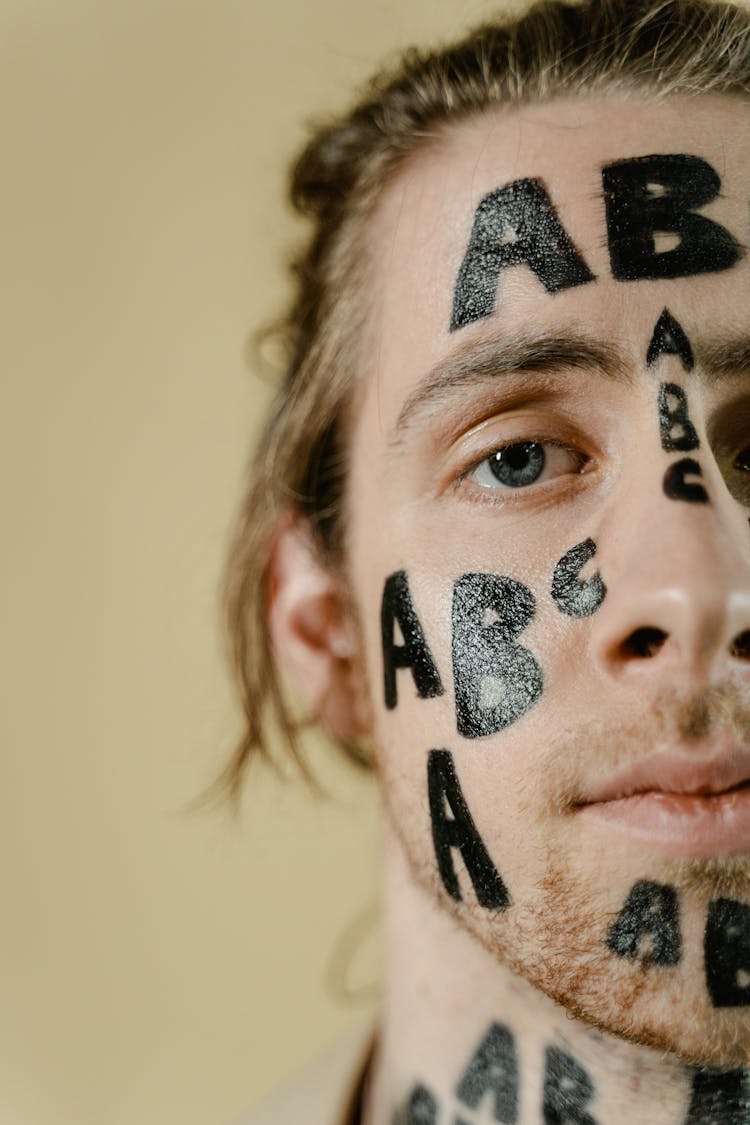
pixel 322 1093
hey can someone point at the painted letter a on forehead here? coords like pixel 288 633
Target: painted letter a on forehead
pixel 515 225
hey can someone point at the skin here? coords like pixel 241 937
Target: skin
pixel 421 499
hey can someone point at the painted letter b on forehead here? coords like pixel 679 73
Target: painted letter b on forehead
pixel 653 195
pixel 645 197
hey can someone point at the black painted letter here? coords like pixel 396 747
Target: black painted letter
pixel 513 225
pixel 493 1070
pixel 727 953
pixel 719 1096
pixel 420 1109
pixel 567 1090
pixel 577 599
pixel 677 487
pixel 648 926
pixel 414 653
pixel 458 830
pixel 496 680
pixel 675 428
pixel 660 194
pixel 668 338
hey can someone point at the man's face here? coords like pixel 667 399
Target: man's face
pixel 550 553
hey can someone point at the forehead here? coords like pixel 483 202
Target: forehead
pixel 421 230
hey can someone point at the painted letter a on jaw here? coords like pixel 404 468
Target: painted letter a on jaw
pixel 453 828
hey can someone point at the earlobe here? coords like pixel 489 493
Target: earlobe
pixel 314 636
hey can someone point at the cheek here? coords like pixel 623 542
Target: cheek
pixel 465 663
pixel 461 649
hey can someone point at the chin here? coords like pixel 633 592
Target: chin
pixel 680 1024
pixel 638 1001
pixel 555 942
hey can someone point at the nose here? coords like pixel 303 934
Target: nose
pixel 678 597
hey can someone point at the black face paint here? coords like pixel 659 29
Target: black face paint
pixel 727 953
pixel 660 194
pixel 513 225
pixel 493 1070
pixel 677 487
pixel 567 1090
pixel 575 598
pixel 496 680
pixel 675 428
pixel 414 653
pixel 420 1109
pixel 669 339
pixel 648 926
pixel 719 1097
pixel 459 831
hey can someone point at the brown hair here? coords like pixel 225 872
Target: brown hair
pixel 660 47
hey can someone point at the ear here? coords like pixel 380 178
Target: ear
pixel 314 635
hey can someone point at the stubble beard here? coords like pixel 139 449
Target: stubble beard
pixel 553 935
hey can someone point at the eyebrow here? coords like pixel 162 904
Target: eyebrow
pixel 720 359
pixel 520 354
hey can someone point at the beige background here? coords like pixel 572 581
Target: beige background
pixel 157 967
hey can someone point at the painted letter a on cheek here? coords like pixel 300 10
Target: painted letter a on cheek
pixel 496 680
pixel 453 828
pixel 398 608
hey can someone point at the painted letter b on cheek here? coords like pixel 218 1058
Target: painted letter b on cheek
pixel 496 679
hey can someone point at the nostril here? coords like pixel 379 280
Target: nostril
pixel 646 642
pixel 740 648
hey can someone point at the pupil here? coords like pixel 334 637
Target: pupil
pixel 520 464
pixel 742 460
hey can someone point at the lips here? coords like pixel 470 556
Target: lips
pixel 688 772
pixel 682 802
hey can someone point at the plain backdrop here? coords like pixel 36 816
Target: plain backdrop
pixel 157 966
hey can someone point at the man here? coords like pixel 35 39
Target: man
pixel 499 527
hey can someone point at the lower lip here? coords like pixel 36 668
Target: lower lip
pixel 683 824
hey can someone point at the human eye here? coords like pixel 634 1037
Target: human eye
pixel 739 483
pixel 742 460
pixel 521 464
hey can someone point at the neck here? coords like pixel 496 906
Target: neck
pixel 463 1041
